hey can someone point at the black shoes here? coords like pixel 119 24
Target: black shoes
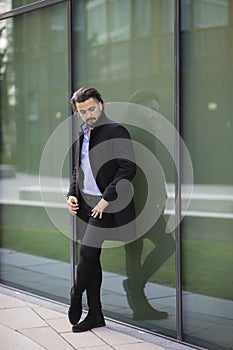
pixel 93 320
pixel 138 302
pixel 75 309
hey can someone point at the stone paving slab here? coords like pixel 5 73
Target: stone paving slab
pixel 12 340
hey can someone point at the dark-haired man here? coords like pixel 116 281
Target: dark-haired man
pixel 101 196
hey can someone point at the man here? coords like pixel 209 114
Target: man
pixel 101 196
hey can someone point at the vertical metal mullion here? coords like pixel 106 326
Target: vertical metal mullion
pixel 178 174
pixel 71 136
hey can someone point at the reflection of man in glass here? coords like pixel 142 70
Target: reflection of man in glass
pixel 138 270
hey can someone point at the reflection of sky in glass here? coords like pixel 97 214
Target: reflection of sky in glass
pixel 5 5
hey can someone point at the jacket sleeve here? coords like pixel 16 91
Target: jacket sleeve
pixel 125 161
pixel 72 188
pixel 73 184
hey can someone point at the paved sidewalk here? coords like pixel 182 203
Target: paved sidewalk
pixel 32 323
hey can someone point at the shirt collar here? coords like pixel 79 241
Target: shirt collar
pixel 84 128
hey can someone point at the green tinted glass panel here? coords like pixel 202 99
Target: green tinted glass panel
pixel 7 5
pixel 33 104
pixel 125 49
pixel 207 77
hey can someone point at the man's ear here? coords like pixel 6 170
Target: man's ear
pixel 101 106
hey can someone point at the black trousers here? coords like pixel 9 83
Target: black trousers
pixel 91 233
pixel 89 275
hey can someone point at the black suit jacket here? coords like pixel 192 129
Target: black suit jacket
pixel 112 161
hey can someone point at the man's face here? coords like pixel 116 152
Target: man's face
pixel 89 111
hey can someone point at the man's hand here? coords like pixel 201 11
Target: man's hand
pixel 99 208
pixel 73 204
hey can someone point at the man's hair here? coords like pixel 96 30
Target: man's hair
pixel 83 94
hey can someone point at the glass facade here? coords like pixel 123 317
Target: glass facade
pixel 127 49
pixel 207 85
pixel 34 95
pixel 7 5
pixel 133 62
